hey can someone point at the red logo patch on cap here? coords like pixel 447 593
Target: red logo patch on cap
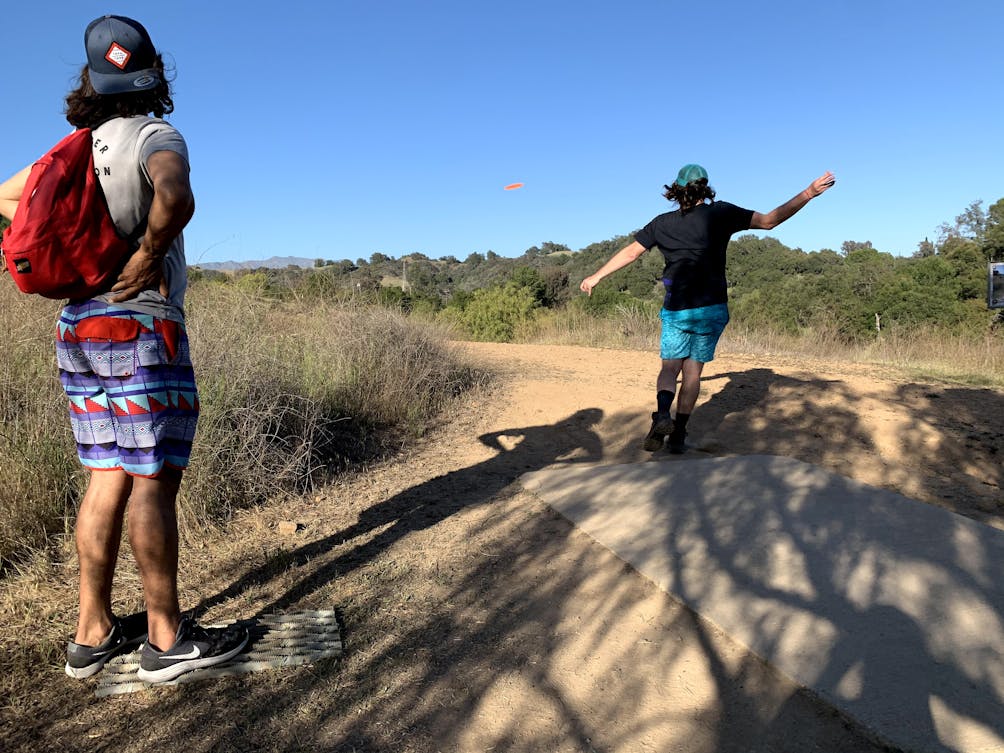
pixel 118 55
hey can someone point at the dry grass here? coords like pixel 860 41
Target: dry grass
pixel 290 393
pixel 39 477
pixel 943 355
pixel 631 327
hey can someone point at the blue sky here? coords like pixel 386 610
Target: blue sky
pixel 339 129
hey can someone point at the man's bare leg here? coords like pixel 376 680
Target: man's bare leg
pixel 668 374
pixel 153 534
pixel 665 385
pixel 98 536
pixel 690 386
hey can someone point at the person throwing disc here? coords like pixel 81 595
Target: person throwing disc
pixel 693 240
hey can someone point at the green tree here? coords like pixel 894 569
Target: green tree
pixel 530 279
pixel 925 249
pixel 547 248
pixel 556 288
pixel 394 297
pixel 993 238
pixel 922 291
pixel 971 224
pixel 969 260
pixel 848 247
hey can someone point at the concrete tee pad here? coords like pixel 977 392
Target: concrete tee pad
pixel 889 609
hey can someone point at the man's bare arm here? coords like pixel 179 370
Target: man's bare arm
pixel 10 192
pixel 775 217
pixel 172 207
pixel 621 259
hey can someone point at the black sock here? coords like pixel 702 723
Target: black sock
pixel 680 424
pixel 664 399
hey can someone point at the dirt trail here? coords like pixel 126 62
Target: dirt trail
pixel 941 444
pixel 476 619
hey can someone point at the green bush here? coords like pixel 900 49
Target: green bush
pixel 495 314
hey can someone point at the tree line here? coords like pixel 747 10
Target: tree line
pixel 855 292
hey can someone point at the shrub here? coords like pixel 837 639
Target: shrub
pixel 494 314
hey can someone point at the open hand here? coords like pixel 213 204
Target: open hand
pixel 143 271
pixel 821 184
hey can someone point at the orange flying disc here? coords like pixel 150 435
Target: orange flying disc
pixel 512 186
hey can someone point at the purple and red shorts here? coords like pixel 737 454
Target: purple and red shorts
pixel 129 379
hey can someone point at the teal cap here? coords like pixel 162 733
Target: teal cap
pixel 690 173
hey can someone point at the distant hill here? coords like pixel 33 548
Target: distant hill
pixel 274 262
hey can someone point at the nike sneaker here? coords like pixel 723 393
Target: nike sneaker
pixel 195 647
pixel 84 661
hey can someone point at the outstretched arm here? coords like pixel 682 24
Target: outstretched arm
pixel 774 218
pixel 10 193
pixel 621 259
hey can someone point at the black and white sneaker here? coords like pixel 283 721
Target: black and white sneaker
pixel 195 647
pixel 84 661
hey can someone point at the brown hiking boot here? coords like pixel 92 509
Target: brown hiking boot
pixel 662 425
pixel 677 445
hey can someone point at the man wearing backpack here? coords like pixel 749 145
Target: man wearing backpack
pixel 124 361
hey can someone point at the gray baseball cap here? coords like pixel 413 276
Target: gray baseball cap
pixel 120 56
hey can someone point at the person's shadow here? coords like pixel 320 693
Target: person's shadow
pixel 571 440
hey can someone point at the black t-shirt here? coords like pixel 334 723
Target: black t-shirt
pixel 694 245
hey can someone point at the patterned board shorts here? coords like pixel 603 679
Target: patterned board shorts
pixel 692 333
pixel 131 387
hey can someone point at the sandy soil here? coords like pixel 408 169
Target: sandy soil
pixel 478 620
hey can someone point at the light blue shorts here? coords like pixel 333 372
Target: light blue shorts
pixel 692 333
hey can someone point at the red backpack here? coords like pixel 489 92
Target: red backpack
pixel 62 242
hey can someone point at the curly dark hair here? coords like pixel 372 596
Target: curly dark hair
pixel 85 108
pixel 690 195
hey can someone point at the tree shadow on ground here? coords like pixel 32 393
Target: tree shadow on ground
pixel 424 677
pixel 947 430
pixel 426 504
pixel 945 442
pixel 950 448
pixel 891 619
